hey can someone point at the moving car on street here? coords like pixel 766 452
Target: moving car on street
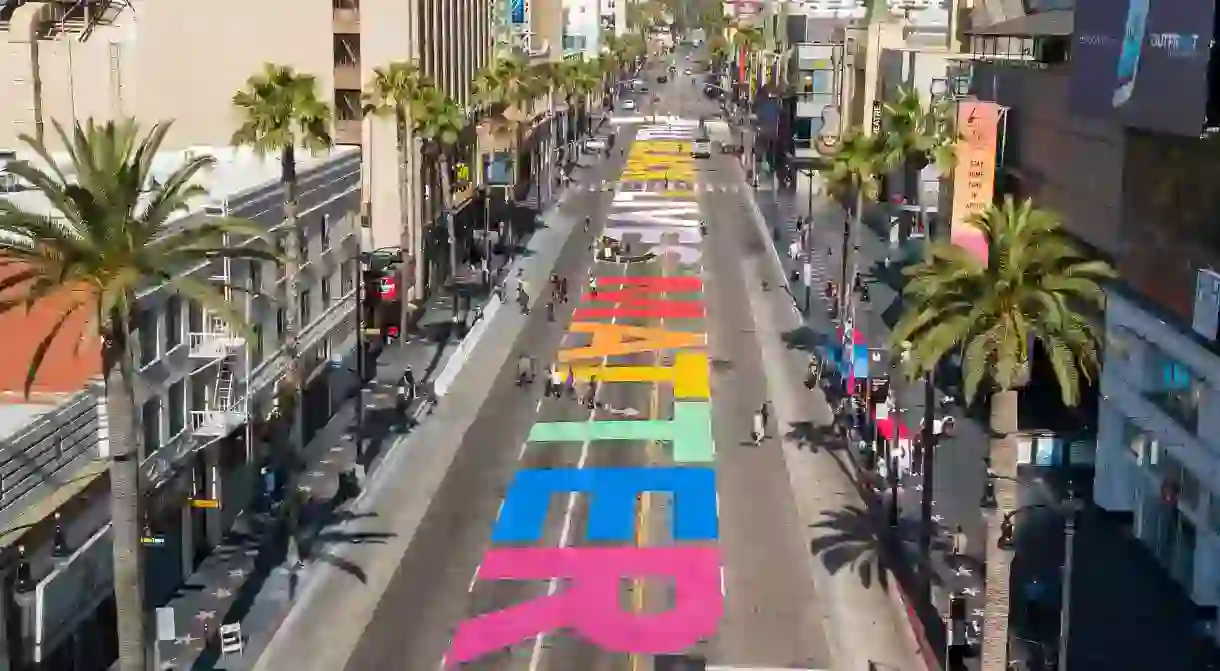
pixel 701 148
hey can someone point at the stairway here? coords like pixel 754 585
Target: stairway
pixel 222 400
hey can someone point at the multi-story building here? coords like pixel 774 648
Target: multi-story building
pixel 204 391
pixel 74 59
pixel 1128 180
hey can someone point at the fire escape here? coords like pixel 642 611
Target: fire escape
pixel 225 407
pixel 80 17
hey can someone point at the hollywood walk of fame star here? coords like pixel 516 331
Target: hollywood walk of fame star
pixel 316 474
pixel 937 519
pixel 978 612
pixel 238 573
pixel 971 591
pixel 962 571
pixel 188 639
pixel 337 448
pixel 168 665
pixel 222 593
pixel 205 615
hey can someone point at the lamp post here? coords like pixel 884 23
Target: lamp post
pixel 1069 509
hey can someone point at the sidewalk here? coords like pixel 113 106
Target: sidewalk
pixel 1126 615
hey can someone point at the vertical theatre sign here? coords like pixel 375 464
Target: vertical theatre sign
pixel 974 175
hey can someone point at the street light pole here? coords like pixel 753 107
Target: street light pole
pixel 928 472
pixel 360 363
pixel 1065 608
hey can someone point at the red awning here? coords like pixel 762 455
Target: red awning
pixel 885 427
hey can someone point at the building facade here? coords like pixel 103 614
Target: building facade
pixel 203 391
pixel 63 60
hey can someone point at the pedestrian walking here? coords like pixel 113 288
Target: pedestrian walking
pixel 550 310
pixel 758 429
pixel 591 393
pixel 765 411
pixel 593 287
pixel 563 290
pixel 570 382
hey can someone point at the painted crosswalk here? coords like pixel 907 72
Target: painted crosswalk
pixel 606 186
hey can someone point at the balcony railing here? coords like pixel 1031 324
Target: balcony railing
pixel 214 344
pixel 218 423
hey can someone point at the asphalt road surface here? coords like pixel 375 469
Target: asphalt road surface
pixel 771 613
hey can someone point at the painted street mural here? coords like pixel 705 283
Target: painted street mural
pixel 644 475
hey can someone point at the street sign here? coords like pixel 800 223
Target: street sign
pixel 205 503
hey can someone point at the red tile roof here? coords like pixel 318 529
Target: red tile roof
pixel 72 360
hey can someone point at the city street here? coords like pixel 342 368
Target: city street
pixel 673 318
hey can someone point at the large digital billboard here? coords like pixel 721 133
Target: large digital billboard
pixel 1143 62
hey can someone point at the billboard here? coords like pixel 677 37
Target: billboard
pixel 518 11
pixel 974 175
pixel 1143 62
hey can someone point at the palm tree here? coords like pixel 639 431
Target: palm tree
pixel 390 92
pixel 439 122
pixel 113 232
pixel 855 170
pixel 280 111
pixel 502 89
pixel 1034 285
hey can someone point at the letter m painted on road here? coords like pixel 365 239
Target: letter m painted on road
pixel 690 432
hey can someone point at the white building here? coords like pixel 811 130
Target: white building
pixel 1158 451
pixel 202 391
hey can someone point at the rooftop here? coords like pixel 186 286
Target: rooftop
pixel 14 417
pixel 74 359
pixel 236 171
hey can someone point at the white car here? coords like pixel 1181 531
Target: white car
pixel 629 104
pixel 593 145
pixel 701 149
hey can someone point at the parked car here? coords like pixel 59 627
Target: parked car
pixel 701 148
pixel 629 104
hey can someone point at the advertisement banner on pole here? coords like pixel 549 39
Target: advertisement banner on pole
pixel 974 175
pixel 519 12
pixel 1143 63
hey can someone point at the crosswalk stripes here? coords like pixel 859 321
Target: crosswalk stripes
pixel 606 187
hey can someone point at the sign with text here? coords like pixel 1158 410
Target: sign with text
pixel 974 175
pixel 1145 67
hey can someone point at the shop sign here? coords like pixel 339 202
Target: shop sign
pixel 387 288
pixel 205 503
pixel 72 592
pixel 974 175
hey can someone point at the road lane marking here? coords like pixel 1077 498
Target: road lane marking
pixel 564 535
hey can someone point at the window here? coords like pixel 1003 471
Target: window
pixel 256 350
pixel 304 306
pixel 325 288
pixel 281 318
pixel 176 402
pixel 1174 388
pixel 280 250
pixel 324 231
pixel 1141 444
pixel 146 325
pixel 173 322
pixel 194 317
pixel 347 105
pixel 256 277
pixel 150 417
pixel 347 278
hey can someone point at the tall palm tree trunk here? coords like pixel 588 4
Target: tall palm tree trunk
pixel 406 241
pixel 451 225
pixel 290 436
pixel 125 517
pixel 1003 459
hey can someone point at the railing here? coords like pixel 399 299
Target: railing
pixel 213 345
pixel 218 423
